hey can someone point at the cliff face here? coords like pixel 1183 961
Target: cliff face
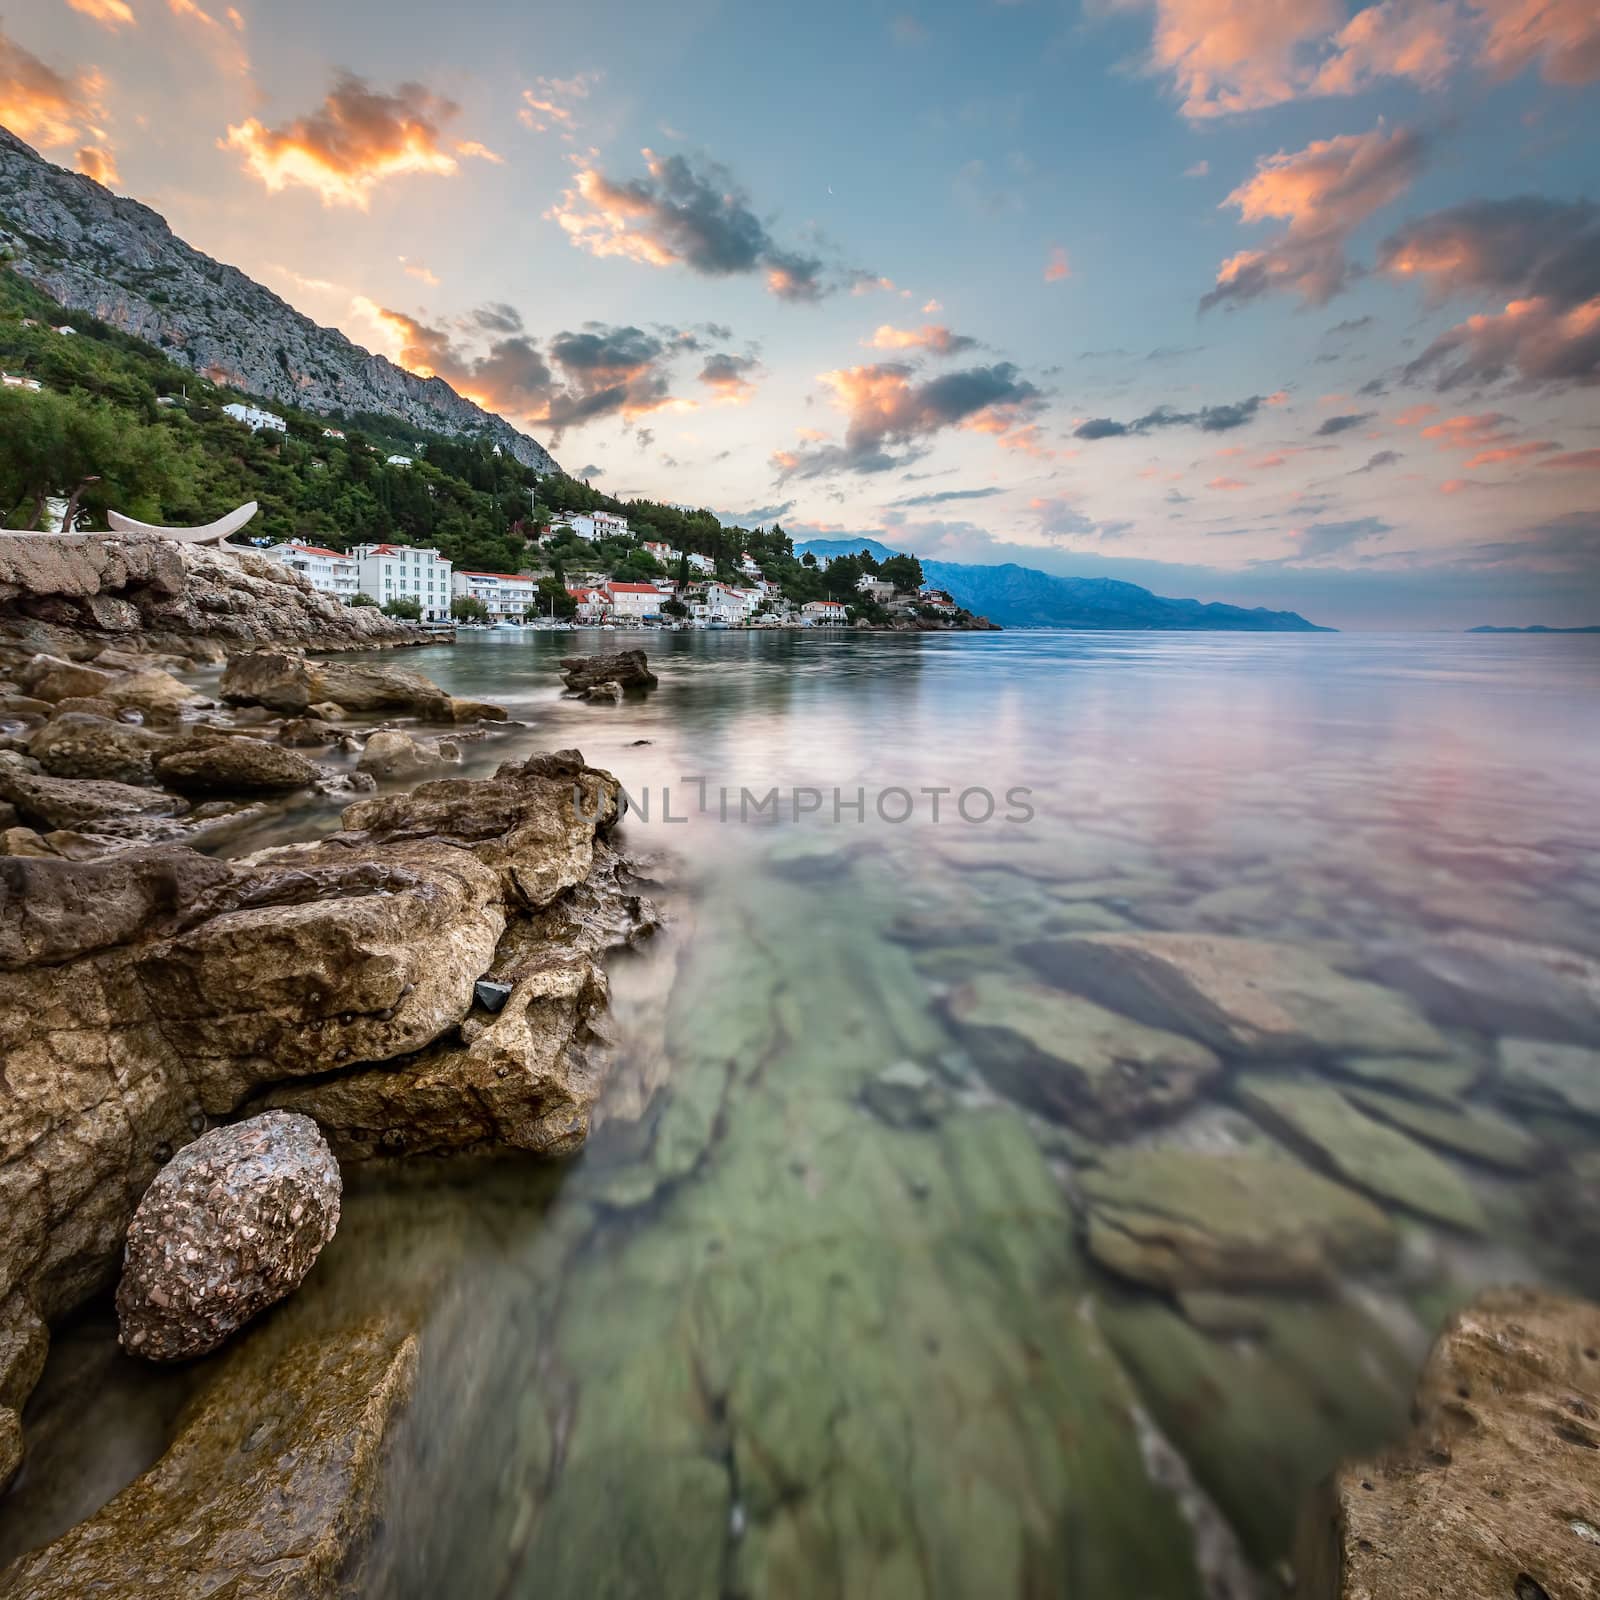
pixel 119 261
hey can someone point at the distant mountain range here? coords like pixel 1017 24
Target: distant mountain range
pixel 119 261
pixel 1021 597
pixel 1537 627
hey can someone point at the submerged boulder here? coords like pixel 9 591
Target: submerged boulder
pixel 1075 1060
pixel 1369 1154
pixel 1246 997
pixel 1496 1496
pixel 389 753
pixel 627 669
pixel 1190 1219
pixel 230 1226
pixel 1559 1078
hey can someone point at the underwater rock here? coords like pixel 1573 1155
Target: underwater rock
pixel 906 1096
pixel 1443 1080
pixel 1242 996
pixel 1496 1495
pixel 627 669
pixel 1561 1078
pixel 1186 1219
pixel 1368 1154
pixel 229 1227
pixel 1475 1133
pixel 1075 1060
pixel 391 754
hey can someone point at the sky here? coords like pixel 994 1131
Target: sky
pixel 1278 302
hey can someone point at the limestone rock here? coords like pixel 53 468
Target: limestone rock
pixel 607 693
pixel 204 764
pixel 1072 1059
pixel 69 803
pixel 229 1227
pixel 79 746
pixel 307 733
pixel 1442 1080
pixel 1496 1496
pixel 906 1096
pixel 1187 1219
pixel 292 684
pixel 1561 1078
pixel 1242 996
pixel 628 669
pixel 1368 1154
pixel 50 678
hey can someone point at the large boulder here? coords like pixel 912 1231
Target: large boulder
pixel 628 669
pixel 78 746
pixel 69 803
pixel 1496 1495
pixel 1245 997
pixel 1563 1079
pixel 219 763
pixel 1190 1219
pixel 50 678
pixel 293 684
pixel 1074 1060
pixel 144 994
pixel 229 1227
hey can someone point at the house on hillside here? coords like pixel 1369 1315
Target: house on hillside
pixel 825 613
pixel 11 381
pixel 937 600
pixel 400 461
pixel 874 588
pixel 592 525
pixel 594 605
pixel 633 600
pixel 255 419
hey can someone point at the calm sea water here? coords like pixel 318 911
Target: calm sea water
pixel 815 1314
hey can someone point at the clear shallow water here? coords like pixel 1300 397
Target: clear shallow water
pixel 789 1328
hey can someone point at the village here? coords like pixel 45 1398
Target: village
pixel 693 597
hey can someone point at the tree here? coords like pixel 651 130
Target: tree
pixel 674 608
pixel 405 608
pixel 808 560
pixel 904 572
pixel 683 569
pixel 468 608
pixel 553 597
pixel 361 599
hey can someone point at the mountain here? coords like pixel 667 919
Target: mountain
pixel 119 261
pixel 1021 597
pixel 1537 627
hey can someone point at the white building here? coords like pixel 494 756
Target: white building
pixel 594 605
pixel 509 596
pixel 400 461
pixel 663 552
pixel 255 419
pixel 11 381
pixel 633 600
pixel 938 599
pixel 594 525
pixel 333 433
pixel 400 572
pixel 699 563
pixel 824 613
pixel 66 327
pixel 875 588
pixel 323 569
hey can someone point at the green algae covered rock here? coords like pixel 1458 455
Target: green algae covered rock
pixel 1441 1079
pixel 1185 1219
pixel 1072 1059
pixel 1251 997
pixel 1563 1078
pixel 1477 1134
pixel 1366 1153
pixel 1262 1420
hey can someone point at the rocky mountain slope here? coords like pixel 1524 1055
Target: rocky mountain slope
pixel 117 259
pixel 1021 597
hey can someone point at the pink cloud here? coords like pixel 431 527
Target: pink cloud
pixel 1058 267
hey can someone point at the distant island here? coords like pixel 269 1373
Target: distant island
pixel 1537 627
pixel 1022 597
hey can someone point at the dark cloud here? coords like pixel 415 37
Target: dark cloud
pixel 1382 458
pixel 1538 257
pixel 944 496
pixel 596 371
pixel 1319 540
pixel 687 214
pixel 888 410
pixel 1344 424
pixel 590 471
pixel 1373 387
pixel 1209 419
pixel 728 376
pixel 497 317
pixel 757 516
pixel 1350 325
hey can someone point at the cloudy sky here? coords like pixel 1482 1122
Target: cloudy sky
pixel 1281 302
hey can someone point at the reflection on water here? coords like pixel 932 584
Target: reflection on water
pixel 961 1230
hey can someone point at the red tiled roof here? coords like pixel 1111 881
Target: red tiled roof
pixel 504 577
pixel 317 550
pixel 633 588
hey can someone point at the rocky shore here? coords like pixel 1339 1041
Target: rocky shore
pixel 77 595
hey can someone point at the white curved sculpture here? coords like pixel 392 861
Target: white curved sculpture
pixel 211 533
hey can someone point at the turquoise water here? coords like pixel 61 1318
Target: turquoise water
pixel 834 1303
